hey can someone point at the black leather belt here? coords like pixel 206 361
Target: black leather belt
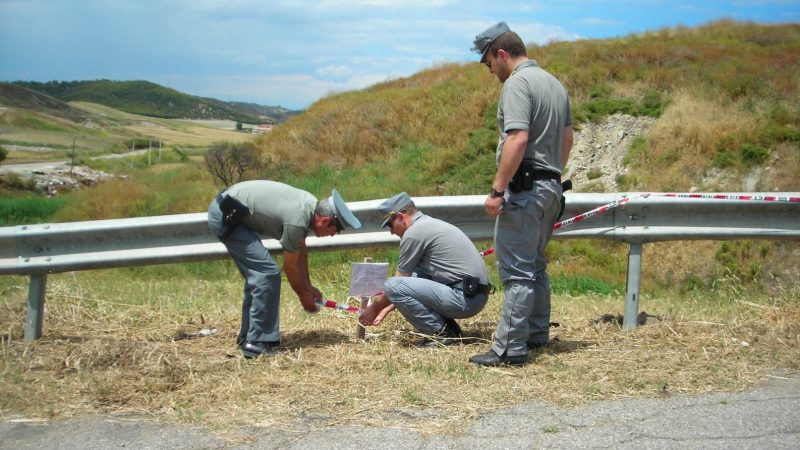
pixel 545 175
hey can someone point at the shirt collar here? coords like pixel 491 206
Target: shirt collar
pixel 528 63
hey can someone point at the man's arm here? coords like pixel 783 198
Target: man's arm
pixel 513 152
pixel 379 307
pixel 296 267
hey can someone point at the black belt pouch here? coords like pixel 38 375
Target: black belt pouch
pixel 233 211
pixel 472 286
pixel 523 178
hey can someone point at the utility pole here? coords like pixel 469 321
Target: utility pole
pixel 73 157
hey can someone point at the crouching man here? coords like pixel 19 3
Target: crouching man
pixel 245 212
pixel 440 275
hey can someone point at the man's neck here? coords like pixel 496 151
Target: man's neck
pixel 513 63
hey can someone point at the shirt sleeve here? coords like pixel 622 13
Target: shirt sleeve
pixel 293 238
pixel 517 105
pixel 411 251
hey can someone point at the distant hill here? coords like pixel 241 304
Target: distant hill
pixel 22 97
pixel 279 114
pixel 150 99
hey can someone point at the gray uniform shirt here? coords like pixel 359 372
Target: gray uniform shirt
pixel 440 249
pixel 535 101
pixel 277 211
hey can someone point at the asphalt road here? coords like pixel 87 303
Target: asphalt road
pixel 50 165
pixel 766 417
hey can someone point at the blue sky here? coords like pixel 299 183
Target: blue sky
pixel 291 53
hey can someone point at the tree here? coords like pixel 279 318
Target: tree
pixel 3 154
pixel 231 163
pixel 239 126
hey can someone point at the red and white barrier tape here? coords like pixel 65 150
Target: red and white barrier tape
pixel 760 198
pixel 615 203
pixel 596 211
pixel 333 305
pixel 487 252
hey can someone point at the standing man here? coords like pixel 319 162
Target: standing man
pixel 243 212
pixel 535 123
pixel 451 280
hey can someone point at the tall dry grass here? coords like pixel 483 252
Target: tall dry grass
pixel 120 341
pixel 684 142
pixel 435 108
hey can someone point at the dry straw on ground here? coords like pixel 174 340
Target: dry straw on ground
pixel 100 353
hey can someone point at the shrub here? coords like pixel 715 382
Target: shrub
pixel 626 182
pixel 14 181
pixel 637 149
pixel 752 155
pixel 594 173
pixel 230 163
pixel 724 159
pixel 653 104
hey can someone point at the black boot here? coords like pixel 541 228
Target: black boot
pixel 254 349
pixel 492 359
pixel 446 336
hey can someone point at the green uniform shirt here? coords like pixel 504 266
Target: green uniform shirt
pixel 277 211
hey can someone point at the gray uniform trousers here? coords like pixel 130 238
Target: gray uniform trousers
pixel 262 280
pixel 521 236
pixel 425 303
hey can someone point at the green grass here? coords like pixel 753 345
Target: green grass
pixel 26 210
pixel 582 285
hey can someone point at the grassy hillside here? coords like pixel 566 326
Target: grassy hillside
pixel 150 99
pixel 24 98
pixel 727 94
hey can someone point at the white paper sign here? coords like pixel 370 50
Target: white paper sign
pixel 367 278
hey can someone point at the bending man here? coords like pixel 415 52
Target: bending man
pixel 243 213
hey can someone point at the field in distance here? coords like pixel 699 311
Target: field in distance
pixel 38 135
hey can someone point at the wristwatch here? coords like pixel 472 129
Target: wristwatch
pixel 496 194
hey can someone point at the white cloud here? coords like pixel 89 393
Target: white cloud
pixel 600 21
pixel 334 72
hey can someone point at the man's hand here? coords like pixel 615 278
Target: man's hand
pixel 376 311
pixel 309 301
pixel 493 205
pixel 368 315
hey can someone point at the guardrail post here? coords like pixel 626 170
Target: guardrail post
pixel 33 321
pixel 632 288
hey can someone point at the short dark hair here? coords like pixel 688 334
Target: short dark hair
pixel 324 209
pixel 511 43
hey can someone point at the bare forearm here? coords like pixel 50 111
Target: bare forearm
pixel 296 267
pixel 513 153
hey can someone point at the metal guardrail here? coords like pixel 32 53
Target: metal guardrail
pixel 37 250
